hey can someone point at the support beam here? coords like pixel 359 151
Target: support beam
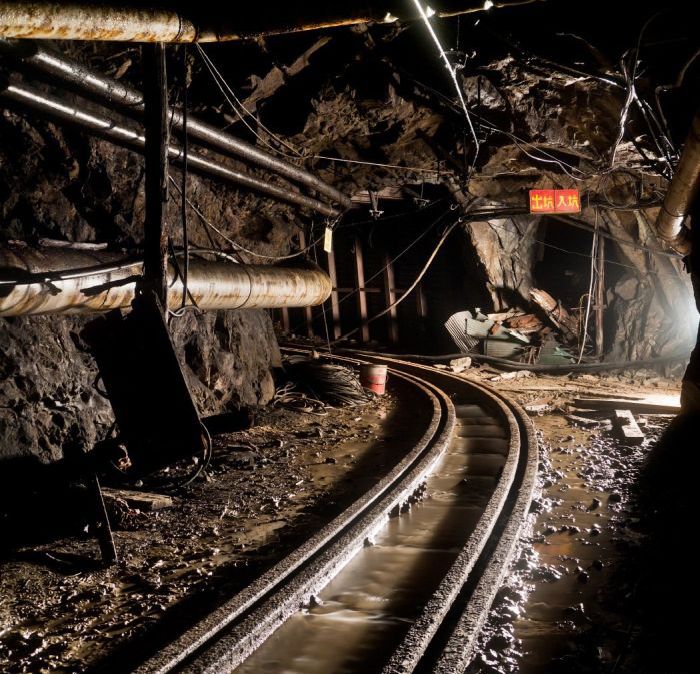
pixel 361 294
pixel 600 298
pixel 155 259
pixel 308 314
pixel 390 298
pixel 335 297
pixel 285 319
pixel 421 306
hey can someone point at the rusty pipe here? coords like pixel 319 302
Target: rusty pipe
pixel 63 281
pixel 233 21
pixel 682 192
pixel 27 97
pixel 125 96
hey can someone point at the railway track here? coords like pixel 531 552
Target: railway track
pixel 392 593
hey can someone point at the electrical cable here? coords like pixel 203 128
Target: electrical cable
pixel 238 246
pixel 221 83
pixel 409 290
pixel 453 75
pixel 513 365
pixel 594 247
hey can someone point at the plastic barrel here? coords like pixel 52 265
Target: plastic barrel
pixel 373 377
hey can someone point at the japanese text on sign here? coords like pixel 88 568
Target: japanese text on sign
pixel 555 201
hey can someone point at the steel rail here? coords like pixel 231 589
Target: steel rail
pixel 55 108
pixel 450 620
pixel 274 595
pixel 455 614
pixel 107 89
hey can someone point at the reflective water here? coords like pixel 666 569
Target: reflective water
pixel 362 614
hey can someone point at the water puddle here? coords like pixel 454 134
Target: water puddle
pixel 361 615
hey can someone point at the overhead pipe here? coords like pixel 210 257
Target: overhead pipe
pixel 65 281
pixel 80 21
pixel 51 106
pixel 125 96
pixel 682 192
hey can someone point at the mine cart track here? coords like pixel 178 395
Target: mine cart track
pixel 443 636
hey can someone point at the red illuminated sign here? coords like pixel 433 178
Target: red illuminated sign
pixel 555 201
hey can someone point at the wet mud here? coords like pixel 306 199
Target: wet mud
pixel 574 601
pixel 266 490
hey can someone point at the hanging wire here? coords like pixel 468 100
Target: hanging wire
pixel 410 289
pixel 594 247
pixel 238 246
pixel 453 74
pixel 323 304
pixel 241 111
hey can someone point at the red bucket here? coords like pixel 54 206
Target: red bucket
pixel 373 377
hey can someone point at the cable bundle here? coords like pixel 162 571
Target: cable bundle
pixel 335 385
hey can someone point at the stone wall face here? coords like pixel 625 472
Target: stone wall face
pixel 367 97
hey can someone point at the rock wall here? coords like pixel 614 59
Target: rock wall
pixel 367 109
pixel 60 184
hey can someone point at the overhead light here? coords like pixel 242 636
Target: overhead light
pixel 488 4
pixel 390 18
pixel 429 11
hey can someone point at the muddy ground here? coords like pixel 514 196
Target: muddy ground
pixel 576 599
pixel 266 490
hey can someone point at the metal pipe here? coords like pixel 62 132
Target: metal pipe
pixel 55 108
pixel 63 281
pixel 125 96
pixel 80 21
pixel 681 193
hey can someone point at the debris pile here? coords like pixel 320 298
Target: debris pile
pixel 517 335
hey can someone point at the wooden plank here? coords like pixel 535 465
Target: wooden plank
pixel 308 313
pixel 143 500
pixel 361 293
pixel 285 319
pixel 637 406
pixel 335 296
pixel 626 429
pixel 390 298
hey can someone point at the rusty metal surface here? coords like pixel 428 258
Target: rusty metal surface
pixel 73 21
pixel 60 281
pixel 682 192
pixel 24 96
pixel 119 93
pixel 206 23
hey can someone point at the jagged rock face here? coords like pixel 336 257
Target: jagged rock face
pixel 372 97
pixel 57 183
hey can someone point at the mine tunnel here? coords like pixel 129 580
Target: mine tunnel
pixel 348 337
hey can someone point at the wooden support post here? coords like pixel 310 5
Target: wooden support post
pixel 390 298
pixel 420 302
pixel 361 295
pixel 285 319
pixel 103 530
pixel 156 153
pixel 600 298
pixel 335 298
pixel 308 313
